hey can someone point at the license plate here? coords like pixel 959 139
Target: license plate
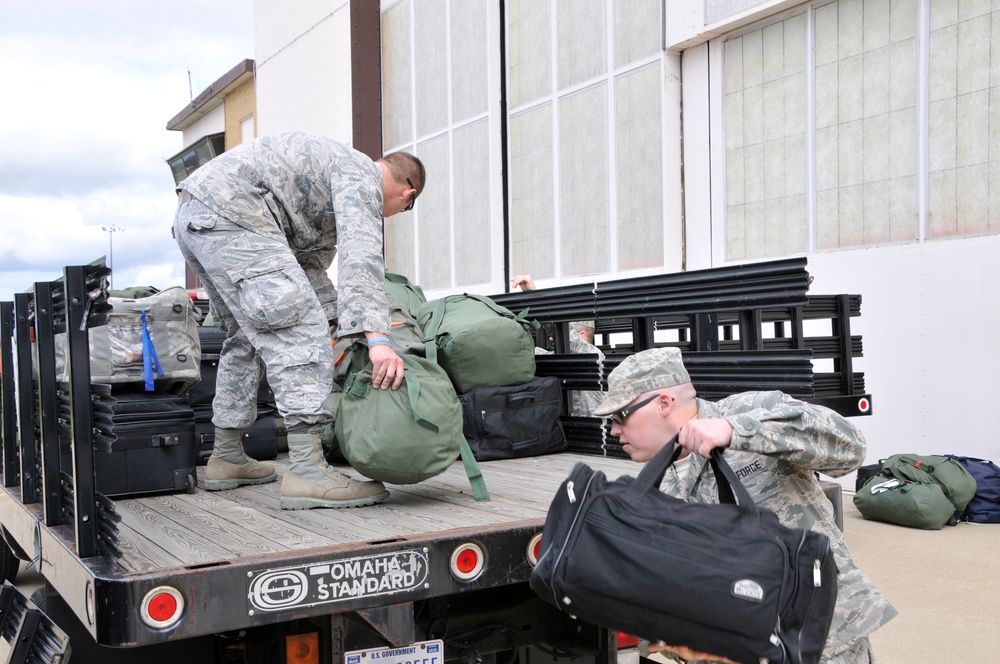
pixel 421 652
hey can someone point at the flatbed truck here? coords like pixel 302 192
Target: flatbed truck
pixel 430 575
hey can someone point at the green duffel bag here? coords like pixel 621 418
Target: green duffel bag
pixel 478 342
pixel 406 293
pixel 912 504
pixel 399 436
pixel 917 491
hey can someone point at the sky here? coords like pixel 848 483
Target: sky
pixel 87 89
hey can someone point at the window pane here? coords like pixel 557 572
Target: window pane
pixel 397 100
pixel 434 230
pixel 637 30
pixel 963 143
pixel 431 67
pixel 765 141
pixel 532 221
pixel 473 256
pixel 400 236
pixel 468 59
pixel 528 51
pixel 583 182
pixel 639 160
pixel 866 132
pixel 581 41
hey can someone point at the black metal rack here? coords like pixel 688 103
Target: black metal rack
pixel 54 414
pixel 740 328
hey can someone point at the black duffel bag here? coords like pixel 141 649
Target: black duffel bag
pixel 726 579
pixel 514 421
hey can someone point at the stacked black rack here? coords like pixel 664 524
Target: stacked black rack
pixel 47 410
pixel 740 328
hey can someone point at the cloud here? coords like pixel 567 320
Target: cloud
pixel 89 88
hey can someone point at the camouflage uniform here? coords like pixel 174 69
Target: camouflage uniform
pixel 585 402
pixel 260 225
pixel 778 442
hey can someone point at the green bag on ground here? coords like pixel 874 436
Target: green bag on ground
pixel 917 491
pixel 399 436
pixel 478 342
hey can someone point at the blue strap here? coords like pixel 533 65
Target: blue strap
pixel 149 358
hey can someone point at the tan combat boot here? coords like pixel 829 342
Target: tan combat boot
pixel 229 467
pixel 311 482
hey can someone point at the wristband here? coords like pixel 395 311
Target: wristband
pixel 378 340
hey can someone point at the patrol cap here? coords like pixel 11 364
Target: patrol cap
pixel 646 371
pixel 583 323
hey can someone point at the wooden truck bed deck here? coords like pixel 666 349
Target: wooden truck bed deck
pixel 175 530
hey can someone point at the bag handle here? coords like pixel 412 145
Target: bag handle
pixel 731 489
pixel 431 329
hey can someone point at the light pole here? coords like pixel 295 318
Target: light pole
pixel 111 230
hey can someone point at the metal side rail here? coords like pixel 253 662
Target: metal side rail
pixel 27 635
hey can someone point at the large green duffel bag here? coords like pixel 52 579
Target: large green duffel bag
pixel 399 436
pixel 478 342
pixel 407 294
pixel 917 491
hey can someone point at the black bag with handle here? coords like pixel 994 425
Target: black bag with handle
pixel 727 579
pixel 514 421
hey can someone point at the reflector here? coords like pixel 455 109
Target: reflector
pixel 302 648
pixel 467 561
pixel 162 607
pixel 534 549
pixel 627 640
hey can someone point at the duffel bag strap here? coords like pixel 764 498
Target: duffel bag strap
pixel 474 474
pixel 731 490
pixel 521 318
pixel 431 330
pixel 725 477
pixel 651 475
pixel 150 362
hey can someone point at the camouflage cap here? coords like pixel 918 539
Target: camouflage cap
pixel 583 323
pixel 645 371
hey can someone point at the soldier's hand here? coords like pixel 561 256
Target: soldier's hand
pixel 523 281
pixel 701 436
pixel 687 654
pixel 387 367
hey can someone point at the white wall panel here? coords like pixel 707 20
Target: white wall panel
pixel 303 67
pixel 213 122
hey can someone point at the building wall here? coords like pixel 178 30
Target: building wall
pixel 213 122
pixel 927 305
pixel 926 299
pixel 240 104
pixel 303 67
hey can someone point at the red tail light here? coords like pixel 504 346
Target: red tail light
pixel 162 607
pixel 467 561
pixel 627 640
pixel 534 549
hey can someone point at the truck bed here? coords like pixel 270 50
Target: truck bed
pixel 229 554
pixel 181 530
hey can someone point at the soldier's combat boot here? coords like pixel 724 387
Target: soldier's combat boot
pixel 229 467
pixel 311 482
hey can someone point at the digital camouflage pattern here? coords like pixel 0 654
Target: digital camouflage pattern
pixel 266 220
pixel 322 198
pixel 585 402
pixel 649 370
pixel 778 442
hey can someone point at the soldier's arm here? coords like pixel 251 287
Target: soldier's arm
pixel 315 266
pixel 806 435
pixel 362 303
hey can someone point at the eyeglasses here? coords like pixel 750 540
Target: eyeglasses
pixel 618 417
pixel 414 200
